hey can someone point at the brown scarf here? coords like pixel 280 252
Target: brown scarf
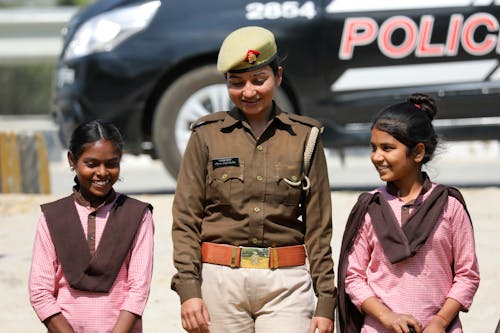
pixel 399 243
pixel 83 271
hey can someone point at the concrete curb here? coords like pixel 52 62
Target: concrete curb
pixel 24 163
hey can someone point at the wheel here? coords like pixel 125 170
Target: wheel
pixel 194 94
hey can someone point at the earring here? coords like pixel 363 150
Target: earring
pixel 72 168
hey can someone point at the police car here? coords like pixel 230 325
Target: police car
pixel 149 66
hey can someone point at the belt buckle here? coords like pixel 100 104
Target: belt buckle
pixel 254 257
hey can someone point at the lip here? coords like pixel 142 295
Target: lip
pixel 381 168
pixel 100 182
pixel 250 101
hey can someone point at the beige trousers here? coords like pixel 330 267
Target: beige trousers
pixel 258 300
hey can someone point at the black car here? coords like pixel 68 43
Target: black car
pixel 149 67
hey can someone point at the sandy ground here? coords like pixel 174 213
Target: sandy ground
pixel 19 214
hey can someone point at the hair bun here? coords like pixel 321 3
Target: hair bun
pixel 425 103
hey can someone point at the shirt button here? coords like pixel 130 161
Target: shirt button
pixel 260 148
pixel 259 178
pixel 91 237
pixel 256 209
pixel 255 240
pixel 224 176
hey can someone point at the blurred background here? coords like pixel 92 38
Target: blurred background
pixel 30 43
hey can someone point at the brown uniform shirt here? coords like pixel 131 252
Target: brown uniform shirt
pixel 230 190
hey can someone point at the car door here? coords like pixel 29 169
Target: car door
pixel 378 52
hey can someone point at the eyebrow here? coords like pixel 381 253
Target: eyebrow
pixel 383 143
pixel 93 159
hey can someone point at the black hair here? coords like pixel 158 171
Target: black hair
pixel 93 131
pixel 410 123
pixel 275 64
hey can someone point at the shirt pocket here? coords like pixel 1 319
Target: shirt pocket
pixel 226 184
pixel 282 191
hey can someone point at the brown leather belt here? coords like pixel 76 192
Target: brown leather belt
pixel 253 257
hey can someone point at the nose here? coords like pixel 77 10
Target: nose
pixel 376 156
pixel 248 90
pixel 102 170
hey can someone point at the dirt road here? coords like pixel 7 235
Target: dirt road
pixel 19 214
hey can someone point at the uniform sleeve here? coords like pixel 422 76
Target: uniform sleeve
pixel 466 270
pixel 140 268
pixel 356 284
pixel 42 279
pixel 318 236
pixel 188 211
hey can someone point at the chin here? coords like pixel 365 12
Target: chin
pixel 101 192
pixel 385 177
pixel 251 110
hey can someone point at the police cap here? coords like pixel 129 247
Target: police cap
pixel 246 49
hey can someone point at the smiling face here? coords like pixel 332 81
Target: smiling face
pixel 252 92
pixel 392 159
pixel 97 169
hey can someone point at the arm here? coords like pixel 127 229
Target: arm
pixel 361 293
pixel 58 324
pixel 140 270
pixel 125 322
pixel 465 266
pixel 188 213
pixel 444 317
pixel 42 279
pixel 319 234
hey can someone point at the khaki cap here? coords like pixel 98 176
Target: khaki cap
pixel 246 49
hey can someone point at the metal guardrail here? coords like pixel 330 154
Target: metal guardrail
pixel 32 33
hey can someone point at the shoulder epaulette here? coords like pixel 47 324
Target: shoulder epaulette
pixel 306 121
pixel 209 118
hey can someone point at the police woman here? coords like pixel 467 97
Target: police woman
pixel 252 213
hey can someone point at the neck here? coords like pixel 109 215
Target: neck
pixel 93 200
pixel 258 127
pixel 258 122
pixel 410 188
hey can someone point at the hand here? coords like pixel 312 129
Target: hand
pixel 400 323
pixel 324 325
pixel 194 315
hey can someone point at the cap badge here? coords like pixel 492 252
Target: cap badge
pixel 252 56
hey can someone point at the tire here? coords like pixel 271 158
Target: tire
pixel 194 94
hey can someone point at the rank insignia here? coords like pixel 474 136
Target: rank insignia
pixel 252 56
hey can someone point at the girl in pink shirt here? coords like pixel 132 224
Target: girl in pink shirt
pixel 93 252
pixel 408 261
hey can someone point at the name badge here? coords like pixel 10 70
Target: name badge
pixel 223 162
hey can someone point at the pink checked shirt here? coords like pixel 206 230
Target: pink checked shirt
pixel 418 285
pixel 89 312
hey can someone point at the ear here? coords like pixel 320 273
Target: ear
pixel 279 76
pixel 72 163
pixel 419 152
